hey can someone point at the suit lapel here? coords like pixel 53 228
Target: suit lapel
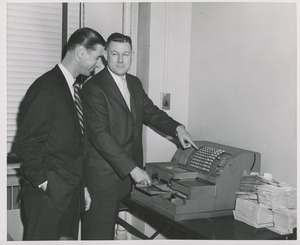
pixel 68 97
pixel 116 93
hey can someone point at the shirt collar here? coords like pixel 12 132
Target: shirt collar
pixel 70 80
pixel 116 77
pixel 67 74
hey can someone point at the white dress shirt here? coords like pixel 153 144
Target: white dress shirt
pixel 68 76
pixel 122 85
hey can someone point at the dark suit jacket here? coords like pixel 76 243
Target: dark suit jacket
pixel 49 138
pixel 115 146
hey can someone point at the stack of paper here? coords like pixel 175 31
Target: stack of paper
pixel 246 195
pixel 284 221
pixel 248 185
pixel 265 202
pixel 292 198
pixel 276 197
pixel 249 182
pixel 252 213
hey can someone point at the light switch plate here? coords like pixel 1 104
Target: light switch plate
pixel 165 101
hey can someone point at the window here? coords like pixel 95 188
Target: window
pixel 34 46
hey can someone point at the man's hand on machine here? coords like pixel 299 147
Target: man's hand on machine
pixel 185 138
pixel 140 177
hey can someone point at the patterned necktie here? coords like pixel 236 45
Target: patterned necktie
pixel 78 106
pixel 125 92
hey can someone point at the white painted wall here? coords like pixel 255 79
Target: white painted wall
pixel 106 18
pixel 168 69
pixel 243 80
pixel 164 35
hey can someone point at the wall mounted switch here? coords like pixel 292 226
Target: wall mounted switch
pixel 165 101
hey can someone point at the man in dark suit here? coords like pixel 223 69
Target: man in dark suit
pixel 50 140
pixel 116 108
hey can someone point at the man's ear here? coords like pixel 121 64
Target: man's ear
pixel 105 54
pixel 80 50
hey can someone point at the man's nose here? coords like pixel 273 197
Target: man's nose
pixel 120 58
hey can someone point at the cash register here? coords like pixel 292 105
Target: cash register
pixel 197 183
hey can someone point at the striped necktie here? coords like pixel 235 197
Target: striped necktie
pixel 78 105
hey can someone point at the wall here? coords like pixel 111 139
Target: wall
pixel 243 80
pixel 168 70
pixel 105 18
pixel 163 66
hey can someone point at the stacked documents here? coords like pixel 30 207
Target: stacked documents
pixel 264 202
pixel 252 213
pixel 249 182
pixel 284 221
pixel 292 198
pixel 276 197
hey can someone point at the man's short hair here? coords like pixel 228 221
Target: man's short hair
pixel 118 37
pixel 86 37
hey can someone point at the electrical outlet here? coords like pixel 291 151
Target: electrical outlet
pixel 165 101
